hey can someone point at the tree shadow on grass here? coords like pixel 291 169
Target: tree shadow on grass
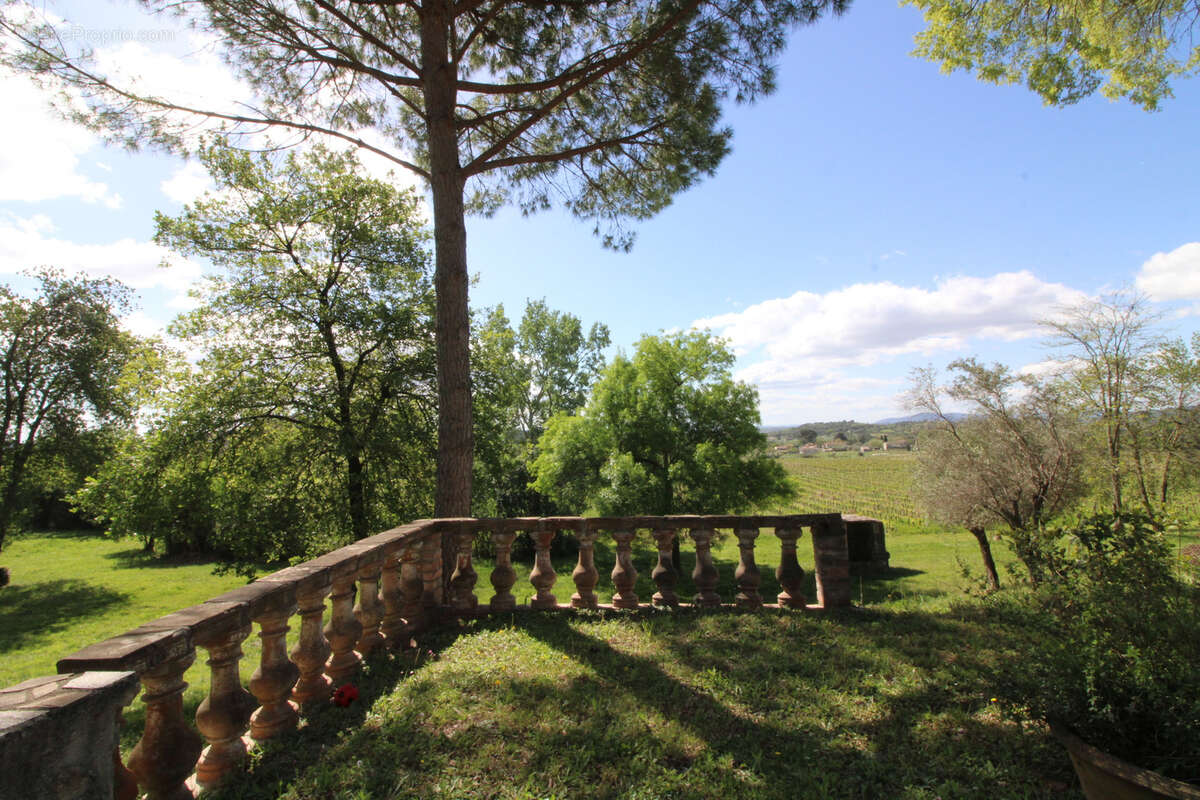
pixel 669 704
pixel 29 611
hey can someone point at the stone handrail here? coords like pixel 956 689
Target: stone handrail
pixel 382 591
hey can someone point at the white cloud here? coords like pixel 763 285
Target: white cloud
pixel 806 352
pixel 866 323
pixel 29 243
pixel 40 153
pixel 187 183
pixel 1172 276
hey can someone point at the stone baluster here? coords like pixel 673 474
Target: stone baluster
pixel 503 575
pixel 430 561
pixel 392 595
pixel 272 682
pixel 542 577
pixel 789 573
pixel 166 754
pixel 585 575
pixel 412 582
pixel 624 575
pixel 224 715
pixel 312 649
pixel 368 610
pixel 342 631
pixel 663 575
pixel 747 575
pixel 462 581
pixel 704 575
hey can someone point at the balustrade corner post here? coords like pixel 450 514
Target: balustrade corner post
pixel 368 609
pixel 704 574
pixel 503 575
pixel 391 593
pixel 312 649
pixel 342 631
pixel 664 575
pixel 543 577
pixel 272 682
pixel 624 575
pixel 832 555
pixel 789 572
pixel 747 575
pixel 166 754
pixel 462 581
pixel 585 574
pixel 224 715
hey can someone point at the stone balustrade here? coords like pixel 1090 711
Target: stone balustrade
pixel 381 591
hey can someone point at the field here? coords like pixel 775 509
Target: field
pixel 875 485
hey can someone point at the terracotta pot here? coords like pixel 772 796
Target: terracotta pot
pixel 1105 777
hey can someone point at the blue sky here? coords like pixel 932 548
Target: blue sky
pixel 874 215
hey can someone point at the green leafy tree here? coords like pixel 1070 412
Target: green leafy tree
pixel 666 431
pixel 522 377
pixel 319 320
pixel 1065 51
pixel 608 107
pixel 64 357
pixel 1014 460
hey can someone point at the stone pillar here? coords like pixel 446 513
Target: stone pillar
pixel 832 563
pixel 663 574
pixel 789 573
pixel 462 582
pixel 704 575
pixel 166 754
pixel 746 575
pixel 272 682
pixel 392 595
pixel 624 576
pixel 503 575
pixel 342 631
pixel 310 652
pixel 585 575
pixel 542 577
pixel 224 715
pixel 368 610
pixel 59 737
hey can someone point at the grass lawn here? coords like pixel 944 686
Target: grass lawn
pixel 876 703
pixel 889 701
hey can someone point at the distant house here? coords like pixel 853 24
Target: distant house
pixel 897 444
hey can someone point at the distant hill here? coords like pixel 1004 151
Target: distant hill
pixel 924 416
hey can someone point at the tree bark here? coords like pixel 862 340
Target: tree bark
pixel 355 489
pixel 985 550
pixel 455 436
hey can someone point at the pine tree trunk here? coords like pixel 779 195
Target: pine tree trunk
pixel 455 439
pixel 985 550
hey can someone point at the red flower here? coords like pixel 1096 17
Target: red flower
pixel 345 695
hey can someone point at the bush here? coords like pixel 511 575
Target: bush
pixel 1119 663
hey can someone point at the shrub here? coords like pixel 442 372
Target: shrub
pixel 1119 664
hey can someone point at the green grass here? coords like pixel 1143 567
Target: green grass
pixel 876 485
pixel 70 589
pixel 893 700
pixel 658 704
